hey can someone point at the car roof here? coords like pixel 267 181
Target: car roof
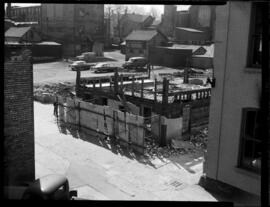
pixel 135 58
pixel 101 64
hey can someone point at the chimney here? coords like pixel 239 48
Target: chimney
pixel 8 10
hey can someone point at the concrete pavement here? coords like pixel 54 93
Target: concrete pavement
pixel 100 174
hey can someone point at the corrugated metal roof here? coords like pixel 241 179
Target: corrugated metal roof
pixel 189 29
pixel 48 43
pixel 209 49
pixel 185 47
pixel 16 31
pixel 20 23
pixel 143 35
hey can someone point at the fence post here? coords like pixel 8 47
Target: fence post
pixel 78 79
pixel 116 82
pixel 100 83
pixel 165 95
pixel 163 135
pixel 94 84
pixel 79 112
pixel 155 90
pixel 142 87
pixel 132 86
pixel 121 79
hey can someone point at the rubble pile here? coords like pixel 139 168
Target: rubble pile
pixel 197 142
pixel 200 138
pixel 46 93
pixel 152 150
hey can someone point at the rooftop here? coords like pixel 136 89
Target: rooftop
pixel 143 35
pixel 16 31
pixel 208 48
pixel 189 29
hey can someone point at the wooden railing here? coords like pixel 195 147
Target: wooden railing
pixel 191 95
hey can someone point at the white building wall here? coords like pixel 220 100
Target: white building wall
pixel 236 87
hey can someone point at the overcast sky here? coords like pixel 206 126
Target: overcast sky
pixel 146 7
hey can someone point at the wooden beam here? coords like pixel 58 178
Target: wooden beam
pixel 132 86
pixel 155 90
pixel 142 87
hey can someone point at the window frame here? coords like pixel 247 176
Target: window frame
pixel 252 33
pixel 244 138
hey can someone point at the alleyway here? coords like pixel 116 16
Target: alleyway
pixel 101 171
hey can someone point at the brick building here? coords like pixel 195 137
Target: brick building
pixel 19 161
pixel 75 26
pixel 198 17
pixel 130 22
pixel 25 14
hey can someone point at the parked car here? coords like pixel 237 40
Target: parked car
pixel 135 62
pixel 50 187
pixel 104 68
pixel 79 65
pixel 196 71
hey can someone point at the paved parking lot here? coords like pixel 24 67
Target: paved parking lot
pixel 58 71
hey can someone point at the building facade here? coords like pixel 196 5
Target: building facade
pixel 130 22
pixel 75 26
pixel 168 21
pixel 234 144
pixel 19 156
pixel 138 43
pixel 26 14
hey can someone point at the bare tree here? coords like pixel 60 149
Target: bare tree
pixel 154 12
pixel 119 10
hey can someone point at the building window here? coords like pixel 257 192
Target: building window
pixel 250 148
pixel 255 38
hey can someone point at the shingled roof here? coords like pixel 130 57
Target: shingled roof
pixel 142 35
pixel 16 31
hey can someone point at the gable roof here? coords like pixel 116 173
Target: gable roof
pixel 189 29
pixel 206 50
pixel 143 35
pixel 16 31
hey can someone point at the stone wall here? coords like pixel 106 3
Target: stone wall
pixel 19 161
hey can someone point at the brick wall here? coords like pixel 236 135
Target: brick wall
pixel 19 161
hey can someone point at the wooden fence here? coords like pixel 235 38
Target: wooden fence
pixel 126 127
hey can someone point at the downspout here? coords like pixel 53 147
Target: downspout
pixel 223 88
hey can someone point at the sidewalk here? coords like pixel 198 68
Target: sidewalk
pixel 101 174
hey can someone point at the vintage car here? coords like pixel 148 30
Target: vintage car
pixel 80 65
pixel 104 68
pixel 135 62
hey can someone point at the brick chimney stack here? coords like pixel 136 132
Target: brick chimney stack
pixel 8 10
